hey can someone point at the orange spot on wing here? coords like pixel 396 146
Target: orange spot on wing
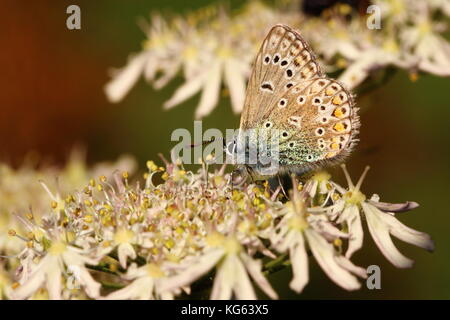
pixel 338 113
pixel 329 92
pixel 339 127
pixel 337 100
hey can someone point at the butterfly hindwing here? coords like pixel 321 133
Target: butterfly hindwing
pixel 320 120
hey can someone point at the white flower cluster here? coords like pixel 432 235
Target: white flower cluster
pixel 212 47
pixel 21 190
pixel 123 240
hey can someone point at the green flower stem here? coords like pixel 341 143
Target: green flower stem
pixel 102 268
pixel 276 265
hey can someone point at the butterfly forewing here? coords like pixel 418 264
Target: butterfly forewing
pixel 283 61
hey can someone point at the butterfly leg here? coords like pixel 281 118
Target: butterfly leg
pixel 237 178
pixel 281 185
pixel 249 173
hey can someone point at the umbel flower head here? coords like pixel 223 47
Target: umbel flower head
pixel 22 192
pixel 381 221
pixel 212 46
pixel 180 231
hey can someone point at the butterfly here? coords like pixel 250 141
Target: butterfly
pixel 288 92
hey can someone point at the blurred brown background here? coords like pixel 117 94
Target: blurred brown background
pixel 51 98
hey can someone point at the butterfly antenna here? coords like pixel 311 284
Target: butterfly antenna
pixel 204 143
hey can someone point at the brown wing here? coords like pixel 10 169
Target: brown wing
pixel 283 61
pixel 320 120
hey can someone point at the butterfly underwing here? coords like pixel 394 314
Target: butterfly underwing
pixel 314 116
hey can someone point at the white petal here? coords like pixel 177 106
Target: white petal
pixel 325 228
pixel 167 296
pixel 348 265
pixel 380 234
pixel 211 91
pixel 313 187
pixel 299 260
pixel 243 288
pixel 125 78
pixel 348 50
pixel 34 280
pixel 254 268
pixel 325 256
pixel 235 80
pixel 91 287
pixel 355 230
pixel 53 274
pixel 222 286
pixel 280 243
pixel 150 68
pixel 405 233
pixel 440 70
pixel 140 288
pixel 358 70
pixel 73 257
pixel 187 90
pixel 205 263
pixel 124 251
pixel 169 73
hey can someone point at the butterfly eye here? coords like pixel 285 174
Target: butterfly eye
pixel 268 124
pixel 285 134
pixel 321 146
pixel 320 131
pixel 289 85
pixel 309 158
pixel 324 120
pixel 291 144
pixel 267 59
pixel 322 108
pixel 284 63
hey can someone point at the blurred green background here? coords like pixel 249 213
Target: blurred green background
pixel 51 98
